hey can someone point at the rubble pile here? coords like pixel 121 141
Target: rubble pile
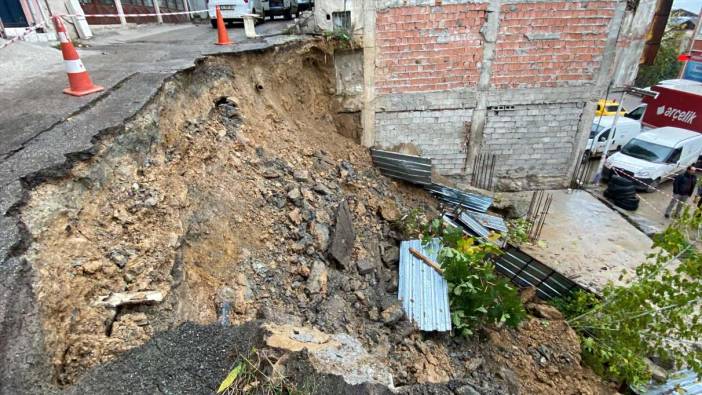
pixel 233 198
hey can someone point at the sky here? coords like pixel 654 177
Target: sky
pixel 690 5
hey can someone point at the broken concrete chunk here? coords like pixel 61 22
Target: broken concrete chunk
pixel 295 196
pixel 127 298
pixel 318 278
pixel 344 236
pixel 338 354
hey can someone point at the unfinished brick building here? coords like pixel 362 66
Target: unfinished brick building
pixel 514 78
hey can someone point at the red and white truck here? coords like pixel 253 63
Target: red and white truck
pixel 675 105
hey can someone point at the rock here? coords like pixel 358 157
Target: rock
pixel 119 258
pixel 391 255
pixel 344 236
pixel 129 298
pixel 510 379
pixel 320 232
pixel 270 174
pixel 392 314
pixel 295 216
pixel 295 196
pixel 544 311
pixel 301 176
pixel 388 211
pixel 322 189
pixel 466 390
pixel 373 314
pixel 365 266
pixel 317 281
pixel 527 294
pixel 658 374
pixel 474 363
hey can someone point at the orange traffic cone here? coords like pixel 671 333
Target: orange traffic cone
pixel 78 78
pixel 222 36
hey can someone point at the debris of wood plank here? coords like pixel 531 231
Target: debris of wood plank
pixel 426 260
pixel 128 298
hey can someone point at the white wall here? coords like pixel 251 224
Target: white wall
pixel 324 9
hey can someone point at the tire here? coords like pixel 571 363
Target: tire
pixel 214 23
pixel 620 181
pixel 288 14
pixel 263 16
pixel 627 205
pixel 616 189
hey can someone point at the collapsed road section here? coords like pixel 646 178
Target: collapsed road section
pixel 233 197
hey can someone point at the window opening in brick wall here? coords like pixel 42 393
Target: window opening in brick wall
pixel 341 20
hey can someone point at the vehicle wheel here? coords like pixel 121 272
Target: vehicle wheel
pixel 288 14
pixel 263 16
pixel 214 23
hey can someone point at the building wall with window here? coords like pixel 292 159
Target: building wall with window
pixel 513 78
pixel 331 15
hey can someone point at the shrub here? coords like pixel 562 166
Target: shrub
pixel 477 294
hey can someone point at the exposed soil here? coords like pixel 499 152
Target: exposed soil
pixel 220 199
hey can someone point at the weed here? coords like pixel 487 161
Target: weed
pixel 256 373
pixel 518 231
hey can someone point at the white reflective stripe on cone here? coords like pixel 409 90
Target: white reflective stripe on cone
pixel 63 37
pixel 74 66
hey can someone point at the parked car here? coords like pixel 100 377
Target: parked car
pixel 305 4
pixel 234 10
pixel 656 155
pixel 625 130
pixel 286 8
pixel 608 107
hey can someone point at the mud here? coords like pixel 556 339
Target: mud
pixel 216 206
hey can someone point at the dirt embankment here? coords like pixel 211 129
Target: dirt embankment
pixel 219 203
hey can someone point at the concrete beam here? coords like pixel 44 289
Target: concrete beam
pixel 369 53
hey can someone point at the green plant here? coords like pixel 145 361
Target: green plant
pixel 657 314
pixel 411 224
pixel 579 302
pixel 477 295
pixel 256 373
pixel 666 64
pixel 518 231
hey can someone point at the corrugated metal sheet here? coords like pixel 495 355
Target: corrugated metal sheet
pixel 471 201
pixel 414 169
pixel 489 221
pixel 683 383
pixel 422 290
pixel 473 225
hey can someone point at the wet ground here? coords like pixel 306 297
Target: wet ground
pixel 649 216
pixel 588 242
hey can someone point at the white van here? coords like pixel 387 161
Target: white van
pixel 234 10
pixel 656 155
pixel 625 130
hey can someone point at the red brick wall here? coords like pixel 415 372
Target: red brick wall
pixel 573 58
pixel 422 49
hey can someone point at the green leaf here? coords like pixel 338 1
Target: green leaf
pixel 229 380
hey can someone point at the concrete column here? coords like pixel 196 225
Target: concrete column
pixel 580 140
pixel 120 12
pixel 157 9
pixel 369 53
pixel 479 117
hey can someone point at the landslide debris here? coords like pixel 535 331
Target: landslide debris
pixel 233 197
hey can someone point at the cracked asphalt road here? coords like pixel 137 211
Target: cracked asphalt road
pixel 43 131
